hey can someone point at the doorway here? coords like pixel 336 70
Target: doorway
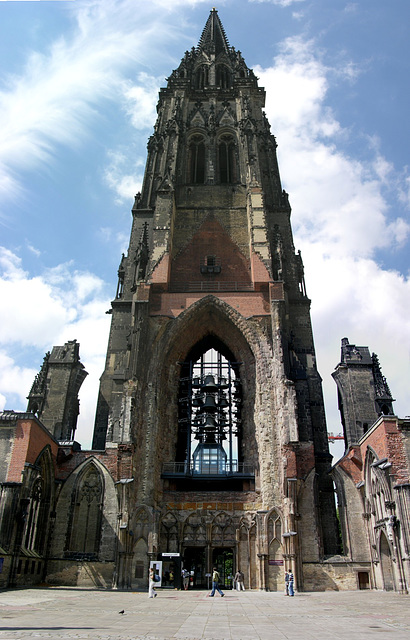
pixel 363 579
pixel 195 562
pixel 222 559
pixel 386 563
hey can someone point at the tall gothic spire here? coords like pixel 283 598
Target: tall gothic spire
pixel 213 38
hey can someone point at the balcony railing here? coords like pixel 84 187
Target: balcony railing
pixel 232 469
pixel 210 286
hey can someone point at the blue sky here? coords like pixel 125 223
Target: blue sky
pixel 78 90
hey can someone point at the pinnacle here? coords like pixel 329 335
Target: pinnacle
pixel 213 36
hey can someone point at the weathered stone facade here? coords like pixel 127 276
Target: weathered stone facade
pixel 210 444
pixel 372 478
pixel 211 266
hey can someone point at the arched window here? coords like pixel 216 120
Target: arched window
pixel 227 162
pixel 31 534
pixel 202 77
pixel 196 160
pixel 223 76
pixel 275 536
pixel 210 398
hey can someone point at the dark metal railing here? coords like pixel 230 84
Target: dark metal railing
pixel 209 286
pixel 222 470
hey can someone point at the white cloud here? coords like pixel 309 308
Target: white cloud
pixel 15 381
pixel 116 175
pixel 59 305
pixel 341 217
pixel 140 100
pixel 280 3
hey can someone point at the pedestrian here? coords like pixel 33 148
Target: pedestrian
pixel 185 579
pixel 286 582
pixel 215 584
pixel 151 590
pixel 239 577
pixel 291 580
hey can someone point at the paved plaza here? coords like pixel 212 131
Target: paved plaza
pixel 64 613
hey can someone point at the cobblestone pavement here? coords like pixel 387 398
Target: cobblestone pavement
pixel 64 613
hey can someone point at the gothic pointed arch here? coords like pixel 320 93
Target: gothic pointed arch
pixel 86 514
pixel 39 495
pixel 227 158
pixel 386 562
pixel 247 554
pixel 276 554
pixel 140 564
pixel 196 159
pixel 169 533
pixel 274 534
pixel 223 530
pixel 194 530
pixel 142 523
pixel 207 417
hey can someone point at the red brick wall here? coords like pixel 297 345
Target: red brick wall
pixel 387 441
pixel 212 239
pixel 29 441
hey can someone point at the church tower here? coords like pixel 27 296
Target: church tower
pixel 210 378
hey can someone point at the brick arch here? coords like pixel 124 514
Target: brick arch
pixel 247 341
pixel 209 321
pixel 211 315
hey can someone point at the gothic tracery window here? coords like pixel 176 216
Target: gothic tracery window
pixel 33 517
pixel 169 533
pixel 86 516
pixel 274 535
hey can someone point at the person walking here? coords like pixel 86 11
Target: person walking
pixel 291 581
pixel 185 579
pixel 151 578
pixel 215 584
pixel 239 577
pixel 286 582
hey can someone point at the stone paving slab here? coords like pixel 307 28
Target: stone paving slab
pixel 76 614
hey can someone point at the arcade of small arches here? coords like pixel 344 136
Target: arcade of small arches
pixel 203 539
pixel 202 76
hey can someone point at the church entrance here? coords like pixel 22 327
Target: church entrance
pixel 222 559
pixel 195 563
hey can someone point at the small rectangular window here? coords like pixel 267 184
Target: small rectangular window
pixel 139 570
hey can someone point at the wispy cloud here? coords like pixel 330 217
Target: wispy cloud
pixel 56 98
